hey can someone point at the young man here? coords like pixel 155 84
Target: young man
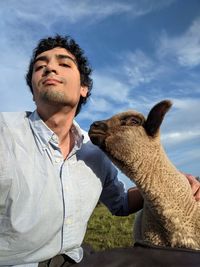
pixel 51 176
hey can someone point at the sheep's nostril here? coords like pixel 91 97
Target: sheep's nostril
pixel 101 125
pixel 95 124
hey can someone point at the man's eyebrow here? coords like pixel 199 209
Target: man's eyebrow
pixel 42 58
pixel 59 56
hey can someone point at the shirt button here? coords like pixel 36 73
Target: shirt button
pixel 54 138
pixel 58 160
pixel 68 220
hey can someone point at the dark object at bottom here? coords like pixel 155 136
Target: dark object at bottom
pixel 142 255
pixel 58 261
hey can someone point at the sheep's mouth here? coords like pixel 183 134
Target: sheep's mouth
pixel 97 138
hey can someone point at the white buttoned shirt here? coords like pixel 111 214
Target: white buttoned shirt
pixel 46 201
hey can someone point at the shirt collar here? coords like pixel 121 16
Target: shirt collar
pixel 77 134
pixel 46 135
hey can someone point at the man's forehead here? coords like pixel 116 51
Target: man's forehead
pixel 55 52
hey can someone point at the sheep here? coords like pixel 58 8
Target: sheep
pixel 170 216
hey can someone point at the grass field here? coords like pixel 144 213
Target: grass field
pixel 108 231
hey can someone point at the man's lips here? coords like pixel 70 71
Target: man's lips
pixel 51 81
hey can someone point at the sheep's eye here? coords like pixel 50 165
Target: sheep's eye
pixel 134 121
pixel 131 120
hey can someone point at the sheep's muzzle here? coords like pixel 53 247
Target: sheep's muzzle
pixel 97 133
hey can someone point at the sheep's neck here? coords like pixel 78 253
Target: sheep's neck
pixel 160 173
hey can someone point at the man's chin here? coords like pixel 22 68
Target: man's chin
pixel 54 98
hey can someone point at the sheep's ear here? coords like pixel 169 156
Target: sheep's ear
pixel 156 116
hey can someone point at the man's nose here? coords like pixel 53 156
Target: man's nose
pixel 50 68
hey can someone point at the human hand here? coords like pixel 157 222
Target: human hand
pixel 195 185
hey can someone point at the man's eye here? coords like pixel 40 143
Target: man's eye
pixel 65 65
pixel 39 67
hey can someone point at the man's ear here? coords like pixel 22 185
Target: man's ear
pixel 156 116
pixel 84 91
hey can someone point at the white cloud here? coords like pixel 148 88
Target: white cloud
pixel 187 104
pixel 15 94
pixel 109 95
pixel 182 125
pixel 180 134
pixel 143 7
pixel 188 84
pixel 186 113
pixel 193 155
pixel 140 68
pixel 185 48
pixel 46 13
pixel 110 87
pixel 73 11
pixel 179 137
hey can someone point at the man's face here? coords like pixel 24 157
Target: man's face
pixel 56 79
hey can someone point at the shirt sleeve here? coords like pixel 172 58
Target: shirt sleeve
pixel 114 195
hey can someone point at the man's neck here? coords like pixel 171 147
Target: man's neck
pixel 60 122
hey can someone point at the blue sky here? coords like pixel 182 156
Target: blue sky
pixel 141 51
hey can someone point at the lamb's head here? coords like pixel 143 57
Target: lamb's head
pixel 127 137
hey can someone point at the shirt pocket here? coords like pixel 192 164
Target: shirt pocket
pixel 5 186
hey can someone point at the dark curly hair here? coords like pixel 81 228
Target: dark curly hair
pixel 70 45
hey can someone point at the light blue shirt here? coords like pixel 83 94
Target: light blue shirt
pixel 46 201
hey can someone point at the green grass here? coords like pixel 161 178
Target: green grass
pixel 107 231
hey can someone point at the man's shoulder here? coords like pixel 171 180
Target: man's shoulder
pixel 85 135
pixel 92 151
pixel 13 119
pixel 88 149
